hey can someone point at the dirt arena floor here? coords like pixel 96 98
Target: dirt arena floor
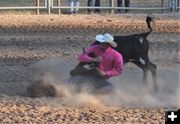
pixel 32 44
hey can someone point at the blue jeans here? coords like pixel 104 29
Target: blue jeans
pixel 74 3
pixel 119 4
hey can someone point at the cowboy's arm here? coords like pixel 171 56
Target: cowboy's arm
pixel 84 56
pixel 118 67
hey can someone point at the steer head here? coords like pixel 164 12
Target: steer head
pixel 83 68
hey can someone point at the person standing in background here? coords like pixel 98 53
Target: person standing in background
pixel 97 4
pixel 172 5
pixel 119 4
pixel 74 3
pixel 90 3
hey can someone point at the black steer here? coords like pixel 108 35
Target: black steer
pixel 134 48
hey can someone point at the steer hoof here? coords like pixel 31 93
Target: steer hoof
pixel 156 88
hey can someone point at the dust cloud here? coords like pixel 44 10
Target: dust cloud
pixel 128 88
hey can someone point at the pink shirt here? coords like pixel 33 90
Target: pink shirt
pixel 112 61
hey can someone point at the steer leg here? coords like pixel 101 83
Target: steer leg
pixel 145 74
pixel 144 69
pixel 153 68
pixel 147 65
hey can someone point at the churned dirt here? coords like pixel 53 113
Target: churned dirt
pixel 35 44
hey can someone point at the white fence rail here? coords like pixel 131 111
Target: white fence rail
pixel 112 7
pixel 49 5
pixel 37 7
pixel 26 7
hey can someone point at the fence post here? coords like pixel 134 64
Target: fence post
pixel 49 6
pixel 59 4
pixel 178 5
pixel 162 5
pixel 37 5
pixel 111 4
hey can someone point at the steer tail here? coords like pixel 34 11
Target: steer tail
pixel 149 19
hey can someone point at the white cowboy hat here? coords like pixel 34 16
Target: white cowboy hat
pixel 106 38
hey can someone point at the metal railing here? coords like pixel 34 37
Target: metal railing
pixel 49 5
pixel 112 7
pixel 37 7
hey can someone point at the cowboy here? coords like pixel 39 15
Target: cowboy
pixel 110 61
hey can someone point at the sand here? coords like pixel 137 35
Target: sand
pixel 32 44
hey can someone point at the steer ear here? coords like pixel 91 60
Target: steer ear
pixel 83 49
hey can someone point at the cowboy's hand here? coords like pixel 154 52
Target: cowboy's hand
pixel 97 59
pixel 102 74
